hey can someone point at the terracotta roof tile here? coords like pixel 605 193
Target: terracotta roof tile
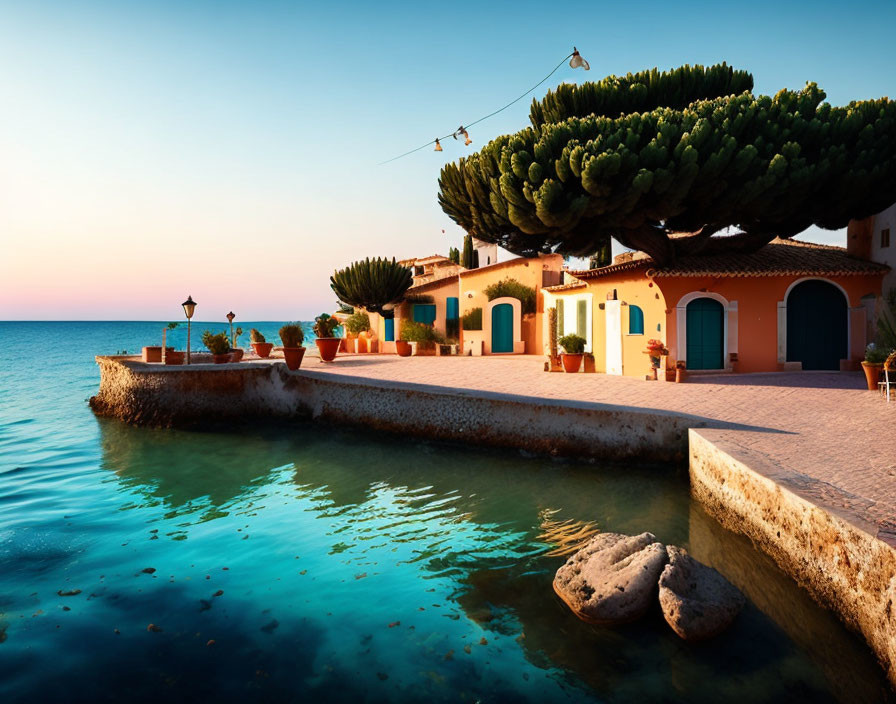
pixel 435 283
pixel 565 287
pixel 778 258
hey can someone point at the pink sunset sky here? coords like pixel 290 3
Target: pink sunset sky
pixel 230 151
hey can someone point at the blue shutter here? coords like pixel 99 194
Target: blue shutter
pixel 452 309
pixel 424 313
pixel 390 330
pixel 635 321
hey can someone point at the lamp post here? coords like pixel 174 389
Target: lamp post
pixel 230 317
pixel 189 307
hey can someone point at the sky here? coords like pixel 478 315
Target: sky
pixel 230 150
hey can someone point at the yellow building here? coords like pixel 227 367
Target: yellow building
pixel 442 295
pixel 789 305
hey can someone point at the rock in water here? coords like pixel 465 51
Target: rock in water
pixel 613 578
pixel 697 601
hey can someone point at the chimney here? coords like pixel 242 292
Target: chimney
pixel 859 234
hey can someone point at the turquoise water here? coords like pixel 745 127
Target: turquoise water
pixel 328 564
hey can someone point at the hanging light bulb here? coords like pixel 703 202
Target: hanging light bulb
pixel 577 61
pixel 438 147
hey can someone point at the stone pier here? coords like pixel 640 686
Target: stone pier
pixel 803 464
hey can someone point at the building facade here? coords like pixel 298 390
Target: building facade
pixel 790 305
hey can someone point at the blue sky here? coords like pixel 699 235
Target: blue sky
pixel 229 150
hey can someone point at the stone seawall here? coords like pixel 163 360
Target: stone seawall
pixel 847 566
pixel 205 394
pixel 812 530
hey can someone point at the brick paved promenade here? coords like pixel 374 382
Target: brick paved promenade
pixel 837 441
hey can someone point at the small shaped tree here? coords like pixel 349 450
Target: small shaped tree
pixel 372 284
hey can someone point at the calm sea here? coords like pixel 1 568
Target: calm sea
pixel 285 563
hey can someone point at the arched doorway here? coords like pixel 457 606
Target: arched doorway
pixel 502 328
pixel 817 325
pixel 705 334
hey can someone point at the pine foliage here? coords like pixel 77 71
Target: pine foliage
pixel 653 154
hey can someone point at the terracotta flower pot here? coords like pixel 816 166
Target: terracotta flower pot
pixel 154 354
pixel 571 362
pixel 174 357
pixel 403 348
pixel 293 357
pixel 263 349
pixel 236 355
pixel 328 347
pixel 872 371
pixel 221 358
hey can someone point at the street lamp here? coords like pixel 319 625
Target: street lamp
pixel 189 308
pixel 230 317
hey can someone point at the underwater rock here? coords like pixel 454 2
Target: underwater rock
pixel 697 601
pixel 613 578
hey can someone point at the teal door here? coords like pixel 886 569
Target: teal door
pixel 817 323
pixel 705 328
pixel 502 328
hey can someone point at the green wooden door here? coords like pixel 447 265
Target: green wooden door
pixel 502 328
pixel 817 323
pixel 705 330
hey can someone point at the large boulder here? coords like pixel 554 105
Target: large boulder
pixel 613 578
pixel 697 601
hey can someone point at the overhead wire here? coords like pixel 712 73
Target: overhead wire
pixel 465 126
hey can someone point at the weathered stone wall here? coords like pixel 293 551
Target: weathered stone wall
pixel 844 565
pixel 206 394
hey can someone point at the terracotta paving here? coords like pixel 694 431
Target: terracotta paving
pixel 824 429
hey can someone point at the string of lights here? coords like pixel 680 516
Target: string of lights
pixel 575 61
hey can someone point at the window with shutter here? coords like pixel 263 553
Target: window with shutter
pixel 635 321
pixel 581 318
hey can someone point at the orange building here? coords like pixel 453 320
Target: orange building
pixel 442 300
pixel 790 305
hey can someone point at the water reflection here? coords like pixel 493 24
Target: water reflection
pixel 410 569
pixel 845 659
pixel 182 468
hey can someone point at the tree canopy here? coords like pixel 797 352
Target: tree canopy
pixel 662 161
pixel 372 284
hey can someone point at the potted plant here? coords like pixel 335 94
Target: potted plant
pixel 328 345
pixel 261 347
pixel 236 353
pixel 292 336
pixel 573 352
pixel 355 326
pixel 218 344
pixel 656 350
pixel 426 336
pixel 151 353
pixel 169 354
pixel 403 348
pixel 873 364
